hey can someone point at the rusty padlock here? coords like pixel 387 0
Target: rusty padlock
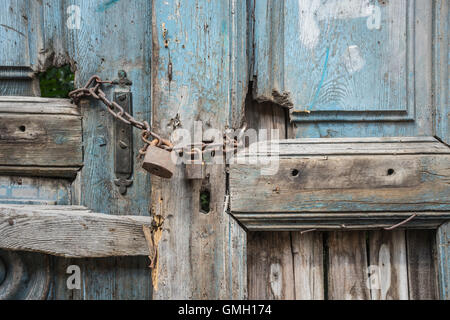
pixel 195 168
pixel 158 161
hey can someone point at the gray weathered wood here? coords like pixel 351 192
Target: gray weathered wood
pixel 347 270
pixel 202 255
pixel 388 265
pixel 443 259
pixel 271 266
pixel 40 135
pixel 307 250
pixel 422 275
pixel 342 221
pixel 441 70
pixel 113 36
pixel 344 183
pixel 281 255
pixel 71 231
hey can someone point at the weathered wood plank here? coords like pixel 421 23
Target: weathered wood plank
pixel 440 65
pixel 301 255
pixel 342 221
pixel 192 80
pixel 39 132
pixel 384 183
pixel 37 105
pixel 122 41
pixel 443 258
pixel 346 146
pixel 347 270
pixel 270 266
pixel 57 172
pixel 71 231
pixel 307 250
pixel 422 275
pixel 388 271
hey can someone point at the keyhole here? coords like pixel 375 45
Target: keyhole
pixel 22 128
pixel 390 172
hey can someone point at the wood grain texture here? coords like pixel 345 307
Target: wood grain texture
pixel 440 68
pixel 343 184
pixel 71 231
pixel 307 250
pixel 33 275
pixel 443 258
pixel 30 136
pixel 388 268
pixel 292 255
pixel 422 274
pixel 347 270
pixel 342 221
pixel 333 60
pixel 112 37
pixel 19 53
pixel 196 58
pixel 271 266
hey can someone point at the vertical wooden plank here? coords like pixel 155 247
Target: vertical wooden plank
pixel 112 36
pixel 307 250
pixel 201 255
pixel 304 253
pixel 270 266
pixel 388 270
pixel 421 264
pixel 347 277
pixel 443 257
pixel 441 84
pixel 270 255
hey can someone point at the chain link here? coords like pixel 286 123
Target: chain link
pixel 92 89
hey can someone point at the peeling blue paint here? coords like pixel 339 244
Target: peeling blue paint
pixel 105 6
pixel 322 79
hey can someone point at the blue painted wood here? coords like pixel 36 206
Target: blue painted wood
pixel 30 275
pixel 441 63
pixel 18 50
pixel 199 73
pixel 443 255
pixel 346 77
pixel 348 68
pixel 113 36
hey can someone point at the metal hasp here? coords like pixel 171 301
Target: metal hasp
pixel 123 138
pixel 195 168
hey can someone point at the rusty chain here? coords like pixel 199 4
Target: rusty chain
pixel 92 89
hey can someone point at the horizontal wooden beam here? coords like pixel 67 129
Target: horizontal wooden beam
pixel 341 222
pixel 40 137
pixel 71 231
pixel 326 183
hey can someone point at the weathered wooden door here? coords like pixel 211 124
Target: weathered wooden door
pixel 369 71
pixel 359 69
pixel 54 153
pixel 184 62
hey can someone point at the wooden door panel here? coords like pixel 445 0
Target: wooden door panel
pixel 19 52
pixel 353 68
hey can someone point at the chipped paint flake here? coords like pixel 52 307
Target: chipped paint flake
pixel 313 11
pixel 353 59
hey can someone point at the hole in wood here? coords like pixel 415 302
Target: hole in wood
pixel 390 172
pixel 295 172
pixel 56 82
pixel 205 200
pixel 22 128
